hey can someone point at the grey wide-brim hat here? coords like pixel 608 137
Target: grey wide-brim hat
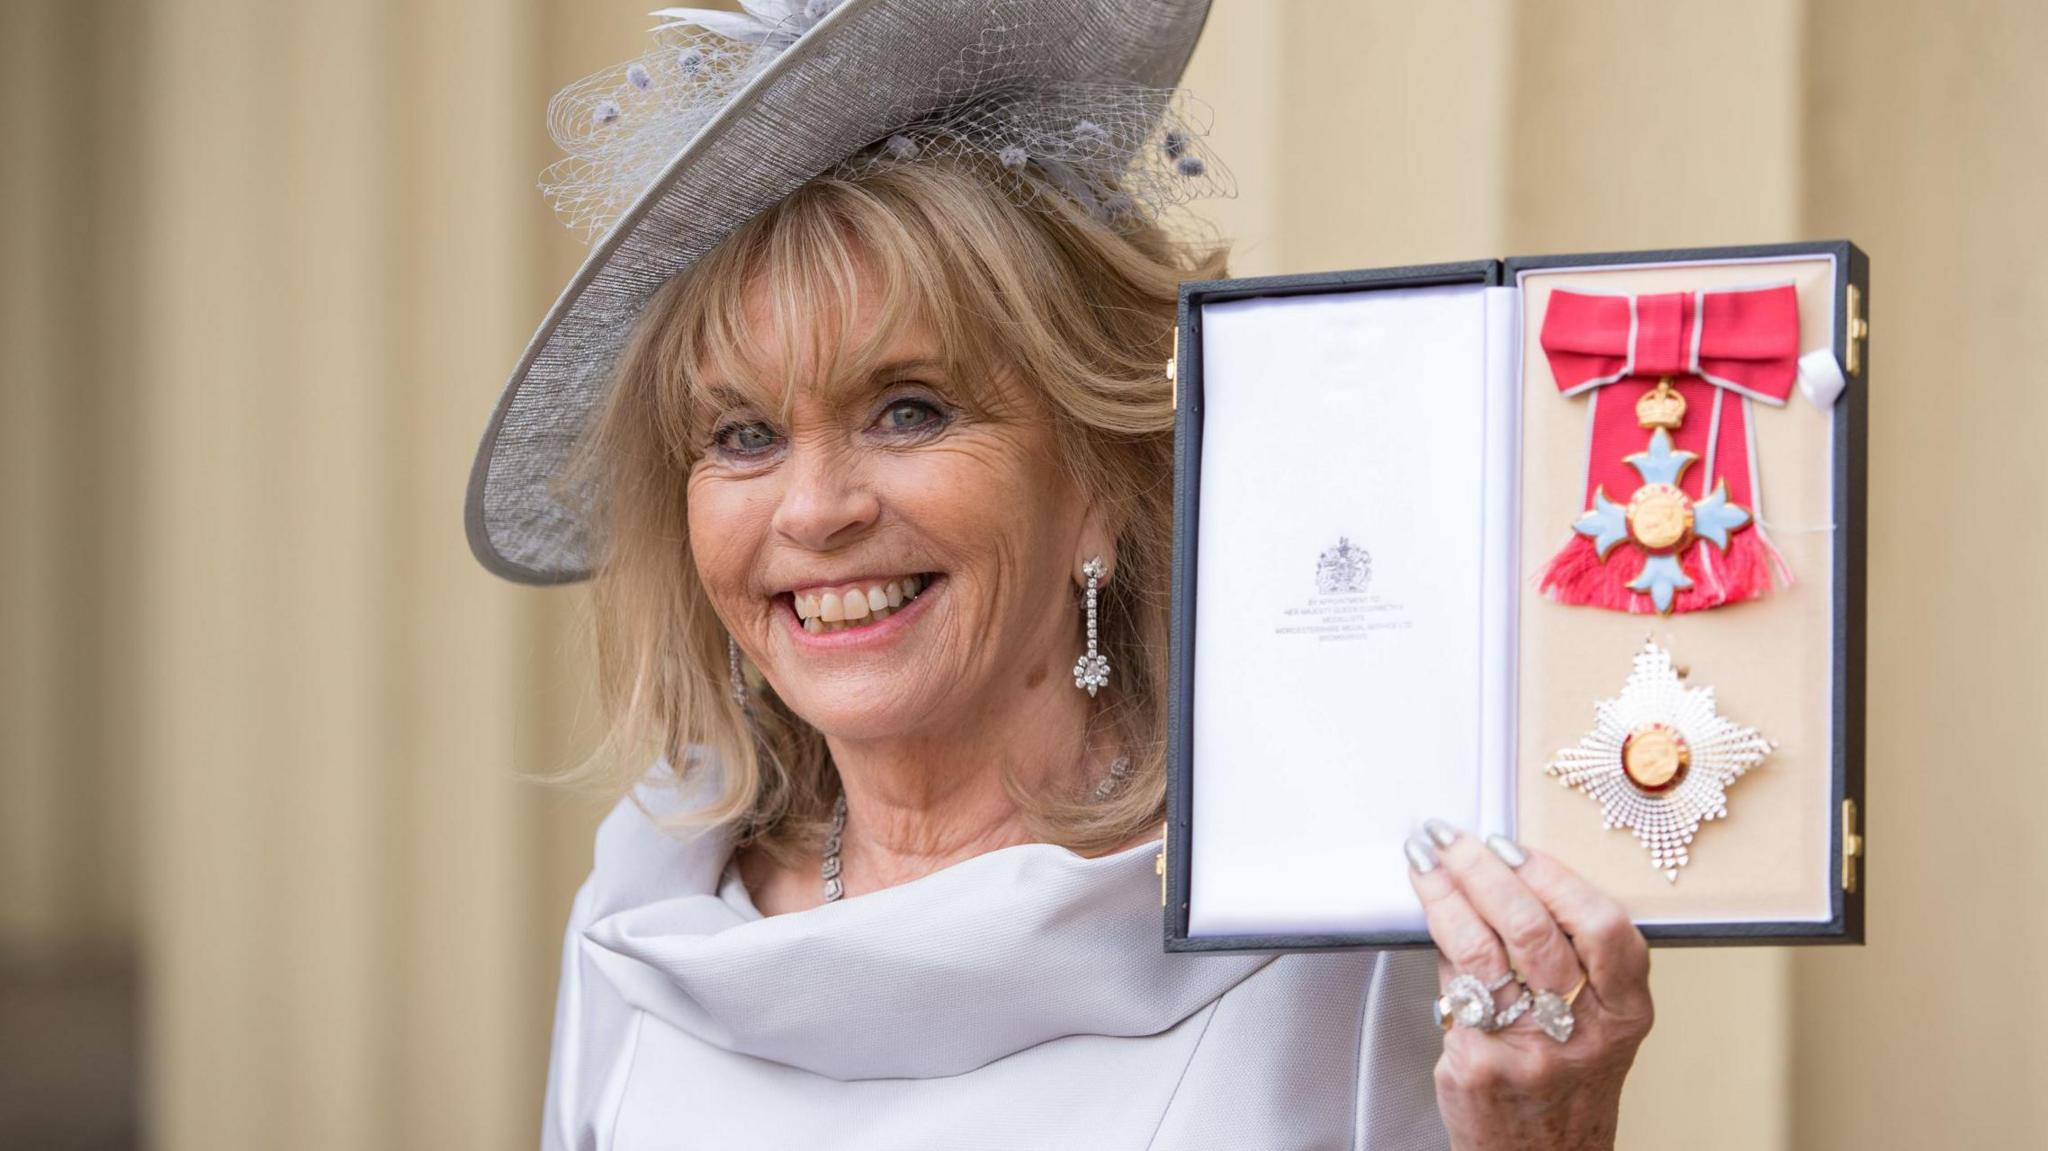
pixel 822 81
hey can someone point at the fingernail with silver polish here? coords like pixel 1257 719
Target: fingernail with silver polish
pixel 1510 853
pixel 1442 832
pixel 1421 856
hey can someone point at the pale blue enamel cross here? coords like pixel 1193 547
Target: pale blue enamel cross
pixel 1713 517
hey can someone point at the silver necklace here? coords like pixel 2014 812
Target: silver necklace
pixel 834 889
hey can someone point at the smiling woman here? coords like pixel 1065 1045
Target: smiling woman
pixel 897 414
pixel 870 442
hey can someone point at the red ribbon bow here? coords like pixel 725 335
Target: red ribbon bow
pixel 1745 340
pixel 1710 344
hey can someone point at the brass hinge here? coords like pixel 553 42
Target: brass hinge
pixel 1852 846
pixel 1857 331
pixel 1170 360
pixel 1159 865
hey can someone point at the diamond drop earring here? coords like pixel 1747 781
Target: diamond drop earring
pixel 1091 671
pixel 739 681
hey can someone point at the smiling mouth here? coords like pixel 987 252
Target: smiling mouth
pixel 856 605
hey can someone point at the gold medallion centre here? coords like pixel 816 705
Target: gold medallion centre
pixel 1660 517
pixel 1655 757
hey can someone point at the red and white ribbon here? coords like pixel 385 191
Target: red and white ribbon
pixel 1722 350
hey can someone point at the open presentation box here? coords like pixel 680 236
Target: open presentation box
pixel 1425 521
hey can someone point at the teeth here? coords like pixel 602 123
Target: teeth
pixel 854 606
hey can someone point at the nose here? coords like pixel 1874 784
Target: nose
pixel 825 501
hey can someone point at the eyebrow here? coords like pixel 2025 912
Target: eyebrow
pixel 904 366
pixel 722 396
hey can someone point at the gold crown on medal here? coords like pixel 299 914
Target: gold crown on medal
pixel 1661 407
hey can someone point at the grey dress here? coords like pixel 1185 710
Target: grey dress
pixel 1020 999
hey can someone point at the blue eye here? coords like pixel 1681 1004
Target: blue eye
pixel 744 439
pixel 909 416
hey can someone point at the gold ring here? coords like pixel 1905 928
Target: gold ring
pixel 1576 988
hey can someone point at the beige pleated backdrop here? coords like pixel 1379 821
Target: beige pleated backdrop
pixel 265 728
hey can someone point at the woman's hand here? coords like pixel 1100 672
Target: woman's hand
pixel 1506 909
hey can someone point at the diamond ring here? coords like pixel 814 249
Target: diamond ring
pixel 1550 1011
pixel 1515 1010
pixel 1468 1002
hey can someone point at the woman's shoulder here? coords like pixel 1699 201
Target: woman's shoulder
pixel 648 848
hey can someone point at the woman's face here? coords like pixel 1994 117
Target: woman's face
pixel 895 565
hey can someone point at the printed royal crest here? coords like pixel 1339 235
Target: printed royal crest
pixel 1344 569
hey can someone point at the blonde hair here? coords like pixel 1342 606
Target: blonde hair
pixel 1045 295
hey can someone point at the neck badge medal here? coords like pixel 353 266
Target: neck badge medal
pixel 1671 519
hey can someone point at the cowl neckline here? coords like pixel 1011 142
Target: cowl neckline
pixel 934 977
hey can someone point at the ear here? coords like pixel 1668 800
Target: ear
pixel 1096 539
